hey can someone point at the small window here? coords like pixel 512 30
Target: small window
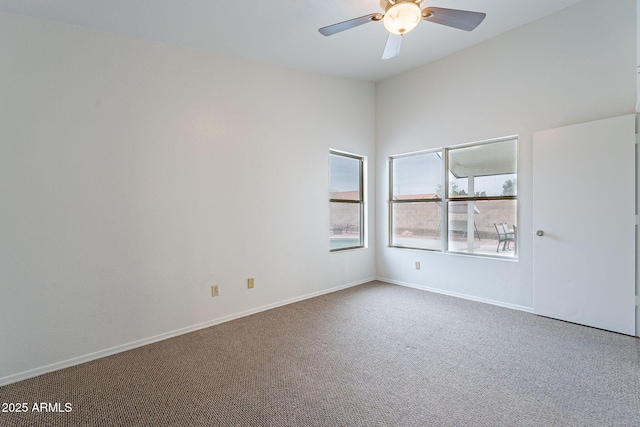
pixel 346 201
pixel 477 214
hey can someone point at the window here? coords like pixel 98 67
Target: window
pixel 477 214
pixel 416 200
pixel 346 201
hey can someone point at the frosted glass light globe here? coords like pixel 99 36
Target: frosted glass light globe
pixel 402 17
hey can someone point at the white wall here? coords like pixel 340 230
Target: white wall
pixel 574 66
pixel 135 175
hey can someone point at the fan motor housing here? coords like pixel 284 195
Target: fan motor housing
pixel 388 3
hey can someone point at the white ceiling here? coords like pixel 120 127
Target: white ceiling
pixel 285 32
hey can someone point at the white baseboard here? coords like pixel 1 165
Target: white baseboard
pixel 139 343
pixel 459 295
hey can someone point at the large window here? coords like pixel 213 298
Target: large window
pixel 346 201
pixel 476 213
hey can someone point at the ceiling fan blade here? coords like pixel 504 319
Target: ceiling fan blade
pixel 392 48
pixel 345 25
pixel 461 19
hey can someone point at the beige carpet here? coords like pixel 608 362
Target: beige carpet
pixel 373 355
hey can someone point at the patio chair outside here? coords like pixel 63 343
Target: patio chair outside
pixel 505 236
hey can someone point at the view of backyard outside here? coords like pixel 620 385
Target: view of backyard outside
pixel 345 201
pixel 344 223
pixel 418 225
pixel 480 201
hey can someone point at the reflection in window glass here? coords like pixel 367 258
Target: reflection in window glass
pixel 346 201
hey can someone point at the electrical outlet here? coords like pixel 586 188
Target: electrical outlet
pixel 250 283
pixel 417 265
pixel 214 291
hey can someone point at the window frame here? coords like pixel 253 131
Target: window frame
pixel 360 201
pixel 446 198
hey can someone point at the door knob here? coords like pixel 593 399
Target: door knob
pixel 539 233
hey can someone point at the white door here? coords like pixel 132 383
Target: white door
pixel 584 223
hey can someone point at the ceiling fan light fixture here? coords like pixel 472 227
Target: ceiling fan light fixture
pixel 402 17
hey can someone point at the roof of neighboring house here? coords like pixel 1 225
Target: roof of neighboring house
pixel 345 195
pixel 417 196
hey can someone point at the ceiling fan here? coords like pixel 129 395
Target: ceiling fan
pixel 402 16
